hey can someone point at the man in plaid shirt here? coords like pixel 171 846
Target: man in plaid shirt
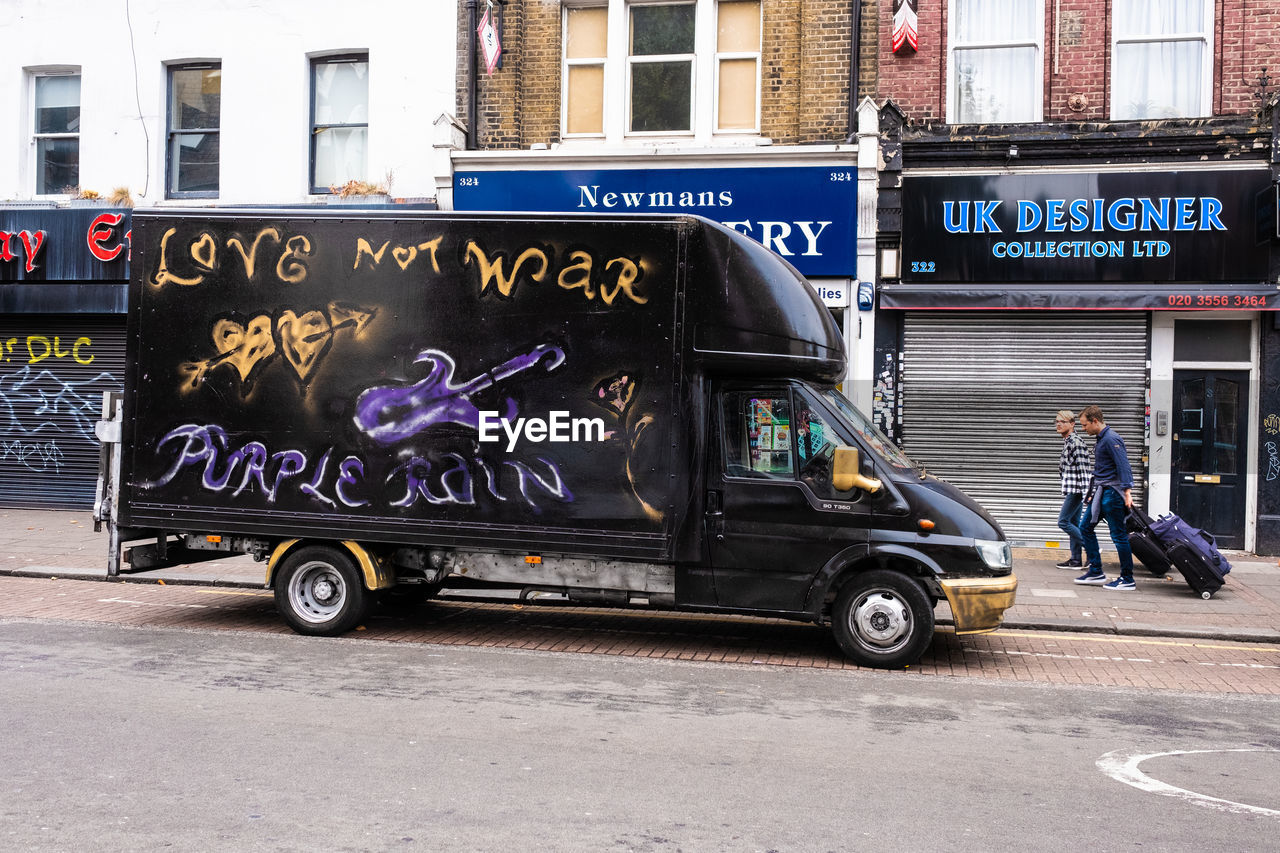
pixel 1073 468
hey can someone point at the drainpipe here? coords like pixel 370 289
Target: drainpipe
pixel 472 110
pixel 854 50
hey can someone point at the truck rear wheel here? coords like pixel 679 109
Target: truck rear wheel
pixel 319 592
pixel 883 619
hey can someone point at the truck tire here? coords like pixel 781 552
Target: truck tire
pixel 882 619
pixel 319 592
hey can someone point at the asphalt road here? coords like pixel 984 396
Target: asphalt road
pixel 121 738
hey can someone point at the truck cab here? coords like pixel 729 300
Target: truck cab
pixel 811 511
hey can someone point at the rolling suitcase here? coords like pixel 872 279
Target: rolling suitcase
pixel 1194 552
pixel 1199 573
pixel 1144 544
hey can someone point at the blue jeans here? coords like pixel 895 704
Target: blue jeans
pixel 1069 521
pixel 1113 510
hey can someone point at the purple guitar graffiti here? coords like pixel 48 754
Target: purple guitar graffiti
pixel 392 413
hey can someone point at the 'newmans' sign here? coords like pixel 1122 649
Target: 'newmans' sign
pixel 807 214
pixel 1103 227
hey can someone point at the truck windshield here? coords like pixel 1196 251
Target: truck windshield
pixel 872 437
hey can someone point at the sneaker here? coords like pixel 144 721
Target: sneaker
pixel 1092 576
pixel 1121 585
pixel 1069 564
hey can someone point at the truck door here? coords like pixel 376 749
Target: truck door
pixel 773 518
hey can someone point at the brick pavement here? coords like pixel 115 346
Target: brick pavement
pixel 1008 655
pixel 1247 609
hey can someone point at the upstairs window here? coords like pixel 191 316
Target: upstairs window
pixel 339 121
pixel 195 113
pixel 585 48
pixel 57 133
pixel 1161 58
pixel 645 69
pixel 995 61
pixel 660 68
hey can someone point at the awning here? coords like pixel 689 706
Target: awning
pixel 1110 297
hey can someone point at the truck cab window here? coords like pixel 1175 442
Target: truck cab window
pixel 757 435
pixel 816 443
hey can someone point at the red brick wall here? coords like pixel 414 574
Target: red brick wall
pixel 1077 58
pixel 804 73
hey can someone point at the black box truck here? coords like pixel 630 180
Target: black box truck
pixel 628 410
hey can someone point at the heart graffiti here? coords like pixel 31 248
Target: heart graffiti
pixel 303 339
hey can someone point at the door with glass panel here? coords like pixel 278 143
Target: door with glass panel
pixel 1210 435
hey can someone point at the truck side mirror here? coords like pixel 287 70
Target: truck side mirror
pixel 847 474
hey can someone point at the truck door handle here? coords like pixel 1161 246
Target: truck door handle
pixel 715 514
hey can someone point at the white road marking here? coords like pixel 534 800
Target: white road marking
pixel 149 603
pixel 1122 765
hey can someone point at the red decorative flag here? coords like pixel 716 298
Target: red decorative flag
pixel 904 25
pixel 489 44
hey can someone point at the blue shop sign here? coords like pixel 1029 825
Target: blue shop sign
pixel 807 214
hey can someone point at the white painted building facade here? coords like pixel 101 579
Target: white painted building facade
pixel 124 54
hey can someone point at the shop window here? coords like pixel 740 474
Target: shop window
pixel 643 69
pixel 339 120
pixel 195 114
pixel 995 61
pixel 1212 340
pixel 1161 58
pixel 56 137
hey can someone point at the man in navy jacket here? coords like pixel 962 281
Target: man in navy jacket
pixel 1110 495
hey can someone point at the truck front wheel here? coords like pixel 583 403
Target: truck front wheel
pixel 883 619
pixel 319 592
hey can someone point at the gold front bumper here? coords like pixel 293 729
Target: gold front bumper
pixel 978 604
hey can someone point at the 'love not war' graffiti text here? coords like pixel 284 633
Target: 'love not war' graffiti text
pixel 188 264
pixel 40 347
pixel 580 270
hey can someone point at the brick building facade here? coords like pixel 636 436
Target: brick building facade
pixel 1076 59
pixel 1018 139
pixel 805 72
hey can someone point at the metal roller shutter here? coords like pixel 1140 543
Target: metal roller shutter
pixel 979 393
pixel 53 371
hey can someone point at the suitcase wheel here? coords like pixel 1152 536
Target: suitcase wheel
pixel 1206 595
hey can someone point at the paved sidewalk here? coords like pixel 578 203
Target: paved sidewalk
pixel 47 543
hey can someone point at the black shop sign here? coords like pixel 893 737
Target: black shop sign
pixel 1125 227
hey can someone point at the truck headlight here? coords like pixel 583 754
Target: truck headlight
pixel 995 553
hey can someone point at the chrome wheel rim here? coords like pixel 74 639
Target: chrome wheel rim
pixel 317 591
pixel 880 620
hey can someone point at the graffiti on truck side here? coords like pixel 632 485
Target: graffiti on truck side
pixel 331 481
pixel 300 340
pixel 580 270
pixel 188 265
pixel 395 412
pixel 616 393
pixel 403 255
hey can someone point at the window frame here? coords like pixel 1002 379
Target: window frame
pixel 728 55
pixel 617 63
pixel 566 63
pixel 33 75
pixel 171 131
pixel 953 45
pixel 1205 36
pixel 314 63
